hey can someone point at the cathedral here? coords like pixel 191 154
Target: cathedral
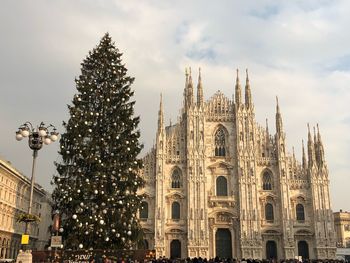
pixel 220 184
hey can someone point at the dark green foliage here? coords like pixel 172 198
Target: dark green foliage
pixel 96 189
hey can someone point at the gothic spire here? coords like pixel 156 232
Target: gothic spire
pixel 304 156
pixel 267 138
pixel 199 90
pixel 320 147
pixel 238 92
pixel 318 135
pixel 267 132
pixel 279 124
pixel 160 114
pixel 185 90
pixel 310 148
pixel 267 128
pixel 315 138
pixel 248 94
pixel 317 156
pixel 294 159
pixel 190 89
pixel 308 133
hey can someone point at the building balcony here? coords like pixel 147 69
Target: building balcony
pixel 302 223
pixel 145 220
pixel 176 222
pixel 222 201
pixel 265 223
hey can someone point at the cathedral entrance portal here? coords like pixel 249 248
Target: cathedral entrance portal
pixel 223 242
pixel 303 249
pixel 175 249
pixel 271 250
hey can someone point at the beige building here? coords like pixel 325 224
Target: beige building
pixel 342 228
pixel 14 199
pixel 220 184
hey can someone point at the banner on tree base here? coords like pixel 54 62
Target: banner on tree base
pixel 101 256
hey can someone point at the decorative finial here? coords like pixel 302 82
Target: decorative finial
pixel 246 72
pixel 237 73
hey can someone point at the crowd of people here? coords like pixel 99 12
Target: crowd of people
pixel 233 260
pixel 113 259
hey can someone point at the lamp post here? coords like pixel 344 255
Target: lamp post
pixel 37 136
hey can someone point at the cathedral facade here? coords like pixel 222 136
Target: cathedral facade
pixel 220 184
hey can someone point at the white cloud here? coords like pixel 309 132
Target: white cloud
pixel 295 49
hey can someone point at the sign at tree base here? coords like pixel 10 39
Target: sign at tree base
pixel 25 239
pixel 56 241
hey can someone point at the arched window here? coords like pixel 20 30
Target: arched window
pixel 300 212
pixel 175 179
pixel 269 212
pixel 220 143
pixel 267 181
pixel 175 210
pixel 144 210
pixel 221 186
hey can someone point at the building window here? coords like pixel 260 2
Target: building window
pixel 269 212
pixel 175 179
pixel 221 186
pixel 175 210
pixel 267 181
pixel 300 212
pixel 144 210
pixel 220 143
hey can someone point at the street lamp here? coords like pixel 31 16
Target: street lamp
pixel 37 136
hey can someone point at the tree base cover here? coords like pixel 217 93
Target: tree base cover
pixel 81 256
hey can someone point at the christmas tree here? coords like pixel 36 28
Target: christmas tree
pixel 97 182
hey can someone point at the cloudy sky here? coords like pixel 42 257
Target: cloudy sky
pixel 298 50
